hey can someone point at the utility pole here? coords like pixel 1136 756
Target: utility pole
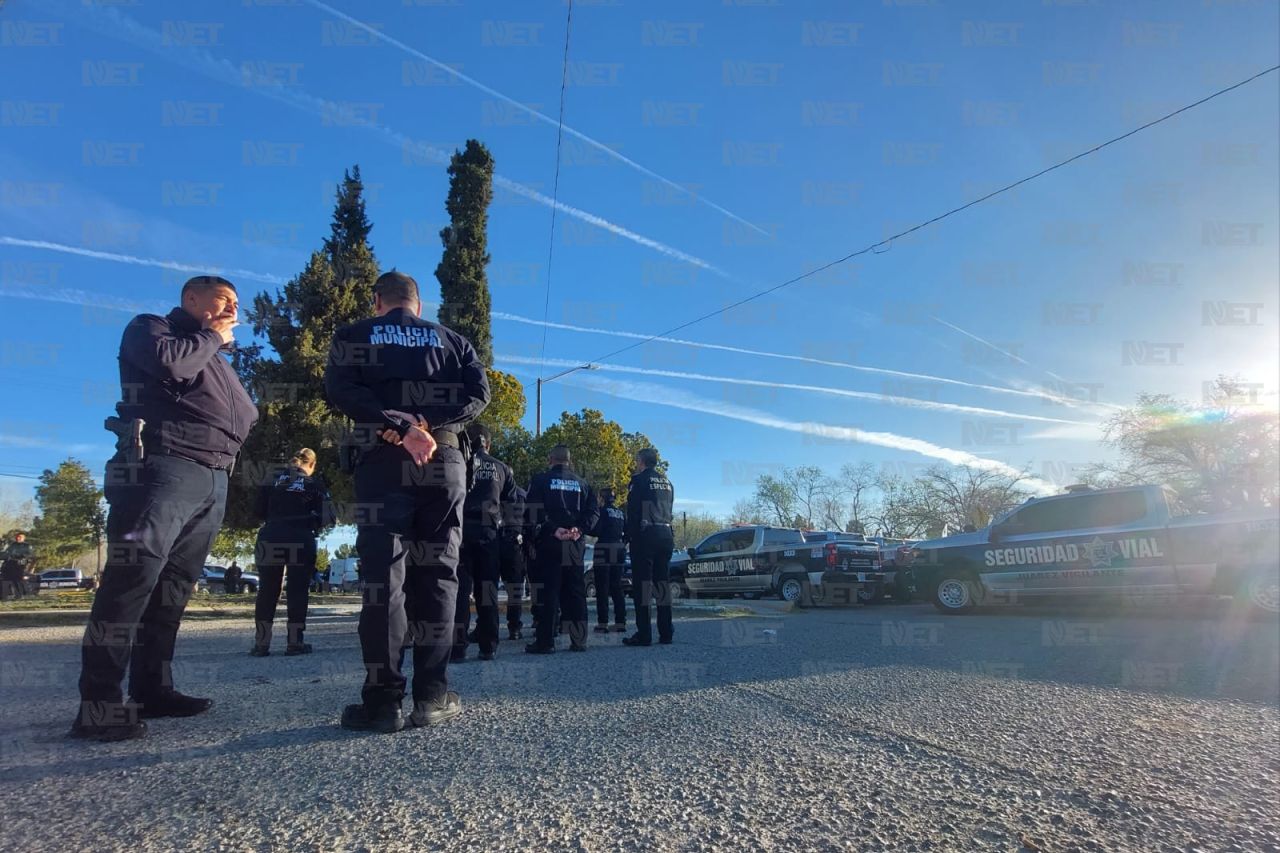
pixel 537 417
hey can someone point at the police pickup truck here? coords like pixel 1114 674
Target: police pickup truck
pixel 755 560
pixel 1130 542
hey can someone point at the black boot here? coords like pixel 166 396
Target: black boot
pixel 171 703
pixel 296 645
pixel 261 640
pixel 385 719
pixel 107 722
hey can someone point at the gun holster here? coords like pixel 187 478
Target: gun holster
pixel 128 437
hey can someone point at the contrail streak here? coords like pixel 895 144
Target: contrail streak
pixel 650 393
pixel 862 368
pixel 542 117
pixel 142 262
pixel 72 296
pixel 911 402
pixel 116 25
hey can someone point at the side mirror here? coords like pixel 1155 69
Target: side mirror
pixel 692 551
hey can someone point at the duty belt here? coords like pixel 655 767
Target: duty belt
pixel 446 438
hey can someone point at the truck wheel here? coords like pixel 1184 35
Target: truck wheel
pixel 678 592
pixel 1261 590
pixel 591 591
pixel 791 588
pixel 956 593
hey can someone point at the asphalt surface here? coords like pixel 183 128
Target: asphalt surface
pixel 886 728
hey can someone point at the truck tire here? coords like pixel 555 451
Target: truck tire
pixel 1261 592
pixel 791 588
pixel 956 592
pixel 871 593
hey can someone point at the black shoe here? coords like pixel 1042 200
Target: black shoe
pixel 576 647
pixel 602 629
pixel 664 642
pixel 172 704
pixel 386 719
pixel 488 655
pixel 515 634
pixel 108 734
pixel 457 657
pixel 620 628
pixel 535 649
pixel 298 649
pixel 473 636
pixel 634 640
pixel 437 712
pixel 259 652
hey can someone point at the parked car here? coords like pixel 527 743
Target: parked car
pixel 676 576
pixel 1112 542
pixel 212 579
pixel 754 560
pixel 61 579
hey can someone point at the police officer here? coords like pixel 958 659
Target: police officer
pixel 649 500
pixel 166 506
pixel 231 578
pixel 512 561
pixel 295 507
pixel 493 487
pixel 410 386
pixel 560 509
pixel 610 558
pixel 13 571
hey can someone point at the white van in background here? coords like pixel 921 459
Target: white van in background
pixel 344 574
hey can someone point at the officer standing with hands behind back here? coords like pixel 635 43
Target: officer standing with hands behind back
pixel 649 500
pixel 410 386
pixel 560 509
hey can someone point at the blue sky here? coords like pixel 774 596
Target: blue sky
pixel 138 142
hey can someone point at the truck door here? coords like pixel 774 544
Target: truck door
pixel 722 561
pixel 1079 543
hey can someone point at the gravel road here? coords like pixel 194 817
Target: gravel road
pixel 887 728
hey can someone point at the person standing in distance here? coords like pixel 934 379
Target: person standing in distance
pixel 513 563
pixel 410 386
pixel 295 507
pixel 13 572
pixel 166 508
pixel 610 560
pixel 559 510
pixel 649 500
pixel 493 487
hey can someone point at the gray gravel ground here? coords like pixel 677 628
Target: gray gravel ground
pixel 888 728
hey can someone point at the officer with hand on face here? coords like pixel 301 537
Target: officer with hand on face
pixel 512 562
pixel 492 488
pixel 182 421
pixel 560 509
pixel 610 560
pixel 410 386
pixel 649 500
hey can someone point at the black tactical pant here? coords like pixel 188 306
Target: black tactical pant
pixel 511 564
pixel 559 584
pixel 164 516
pixel 282 551
pixel 650 579
pixel 478 576
pixel 608 565
pixel 410 529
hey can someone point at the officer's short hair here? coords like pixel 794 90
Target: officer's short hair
pixel 478 432
pixel 205 283
pixel 648 457
pixel 560 453
pixel 396 288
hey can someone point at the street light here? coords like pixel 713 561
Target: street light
pixel 538 396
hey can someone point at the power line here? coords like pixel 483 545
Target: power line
pixel 875 248
pixel 555 186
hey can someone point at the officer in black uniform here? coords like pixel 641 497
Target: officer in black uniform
pixel 560 509
pixel 231 578
pixel 512 559
pixel 649 500
pixel 183 418
pixel 610 558
pixel 295 507
pixel 493 486
pixel 13 571
pixel 410 386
